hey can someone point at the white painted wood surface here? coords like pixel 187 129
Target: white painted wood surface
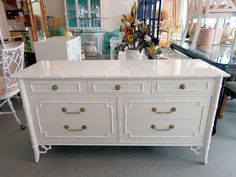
pixel 146 103
pixel 58 48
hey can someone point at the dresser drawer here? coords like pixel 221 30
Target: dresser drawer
pixel 56 87
pixel 72 109
pixel 75 129
pixel 119 87
pixel 155 130
pixel 164 108
pixel 180 87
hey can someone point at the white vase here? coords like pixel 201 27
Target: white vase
pixel 134 55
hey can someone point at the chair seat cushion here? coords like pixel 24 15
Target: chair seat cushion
pixel 2 88
pixel 231 86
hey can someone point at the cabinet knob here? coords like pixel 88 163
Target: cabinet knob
pixel 54 87
pixel 117 87
pixel 182 86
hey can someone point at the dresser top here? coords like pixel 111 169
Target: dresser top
pixel 57 39
pixel 121 69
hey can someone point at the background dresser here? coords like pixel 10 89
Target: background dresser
pixel 58 48
pixel 147 103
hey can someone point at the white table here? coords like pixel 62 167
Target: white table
pixel 121 103
pixel 58 48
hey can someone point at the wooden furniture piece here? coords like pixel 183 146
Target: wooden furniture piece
pixel 201 9
pixel 16 36
pixel 11 61
pixel 135 103
pixel 230 91
pixel 58 48
pixel 31 13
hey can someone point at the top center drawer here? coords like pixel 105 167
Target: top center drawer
pixel 119 87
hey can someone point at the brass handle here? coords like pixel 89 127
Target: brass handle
pixel 79 112
pixel 173 109
pixel 84 127
pixel 154 127
pixel 54 87
pixel 117 87
pixel 182 86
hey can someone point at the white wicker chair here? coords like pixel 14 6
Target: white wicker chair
pixel 12 61
pixel 201 9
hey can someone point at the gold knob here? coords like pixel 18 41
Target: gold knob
pixel 117 87
pixel 82 109
pixel 84 127
pixel 153 126
pixel 182 86
pixel 173 109
pixel 66 127
pixel 54 87
pixel 171 126
pixel 63 109
pixel 154 109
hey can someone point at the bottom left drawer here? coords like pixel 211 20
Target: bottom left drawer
pixel 96 123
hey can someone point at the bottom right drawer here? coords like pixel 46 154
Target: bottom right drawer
pixel 163 131
pixel 179 120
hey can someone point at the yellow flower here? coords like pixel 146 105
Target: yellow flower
pixel 130 19
pixel 152 48
pixel 145 28
pixel 134 6
pixel 130 38
pixel 123 20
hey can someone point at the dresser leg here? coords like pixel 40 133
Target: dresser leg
pixel 205 155
pixel 36 153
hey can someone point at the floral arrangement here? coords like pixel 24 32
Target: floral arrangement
pixel 135 34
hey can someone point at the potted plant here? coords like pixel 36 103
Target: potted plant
pixel 135 36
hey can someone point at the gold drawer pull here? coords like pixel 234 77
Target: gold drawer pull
pixel 154 127
pixel 54 87
pixel 182 86
pixel 117 87
pixel 173 109
pixel 84 127
pixel 79 112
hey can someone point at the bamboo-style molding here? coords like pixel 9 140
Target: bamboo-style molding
pixel 33 22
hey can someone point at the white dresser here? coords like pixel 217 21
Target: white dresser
pixel 58 48
pixel 116 103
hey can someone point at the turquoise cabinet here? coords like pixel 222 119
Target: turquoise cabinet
pixel 83 15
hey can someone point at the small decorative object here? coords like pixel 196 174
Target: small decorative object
pixel 206 36
pixel 135 36
pixel 90 49
pixel 68 33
